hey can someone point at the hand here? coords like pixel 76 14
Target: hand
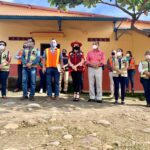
pixel 29 65
pixel 119 71
pixel 147 74
pixel 74 68
pixel 43 69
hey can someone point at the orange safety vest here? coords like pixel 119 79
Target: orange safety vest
pixel 19 60
pixel 52 59
pixel 131 64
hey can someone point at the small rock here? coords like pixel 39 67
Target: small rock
pixel 34 105
pixel 55 128
pixel 67 137
pixel 116 143
pixel 2 132
pixel 107 147
pixel 12 126
pixel 147 130
pixel 9 103
pixel 89 139
pixel 30 122
pixel 55 143
pixel 104 123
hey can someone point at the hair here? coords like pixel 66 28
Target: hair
pixel 96 42
pixel 130 53
pixel 120 49
pixel 3 43
pixel 31 39
pixel 147 52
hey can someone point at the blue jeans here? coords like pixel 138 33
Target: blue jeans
pixel 121 81
pixel 52 74
pixel 130 78
pixel 146 86
pixel 3 81
pixel 26 75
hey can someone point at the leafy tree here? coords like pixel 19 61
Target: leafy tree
pixel 134 8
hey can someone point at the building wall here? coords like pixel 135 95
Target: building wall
pixel 74 30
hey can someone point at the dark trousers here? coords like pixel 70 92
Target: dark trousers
pixel 42 80
pixel 3 81
pixel 146 86
pixel 52 73
pixel 19 80
pixel 77 80
pixel 122 81
pixel 130 78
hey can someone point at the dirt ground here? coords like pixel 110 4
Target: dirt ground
pixel 68 125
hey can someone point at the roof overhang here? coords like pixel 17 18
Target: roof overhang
pixel 9 17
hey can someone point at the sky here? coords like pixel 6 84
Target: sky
pixel 99 9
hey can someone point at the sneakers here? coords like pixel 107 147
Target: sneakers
pixel 41 91
pixel 99 101
pixel 24 98
pixel 31 98
pixel 4 97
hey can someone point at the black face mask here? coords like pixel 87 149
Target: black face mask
pixel 113 53
pixel 24 46
pixel 64 54
pixel 76 48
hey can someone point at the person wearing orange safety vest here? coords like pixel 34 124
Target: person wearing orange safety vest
pixel 52 65
pixel 19 62
pixel 109 66
pixel 131 71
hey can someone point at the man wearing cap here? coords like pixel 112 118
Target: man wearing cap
pixel 52 64
pixel 76 67
pixel 95 60
pixel 144 69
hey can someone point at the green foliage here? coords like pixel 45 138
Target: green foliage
pixel 134 8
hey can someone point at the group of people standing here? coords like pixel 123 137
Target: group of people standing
pixel 56 65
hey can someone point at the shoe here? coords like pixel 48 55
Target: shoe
pixel 116 103
pixel 127 90
pixel 65 92
pixel 99 101
pixel 56 98
pixel 122 103
pixel 91 100
pixel 24 98
pixel 16 90
pixel 4 97
pixel 31 98
pixel 41 91
pixel 76 99
pixel 148 105
pixel 49 98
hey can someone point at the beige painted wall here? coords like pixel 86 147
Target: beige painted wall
pixel 73 30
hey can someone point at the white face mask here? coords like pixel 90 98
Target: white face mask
pixel 53 44
pixel 119 54
pixel 147 57
pixel 2 47
pixel 95 46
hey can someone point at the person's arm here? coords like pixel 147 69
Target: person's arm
pixel 81 62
